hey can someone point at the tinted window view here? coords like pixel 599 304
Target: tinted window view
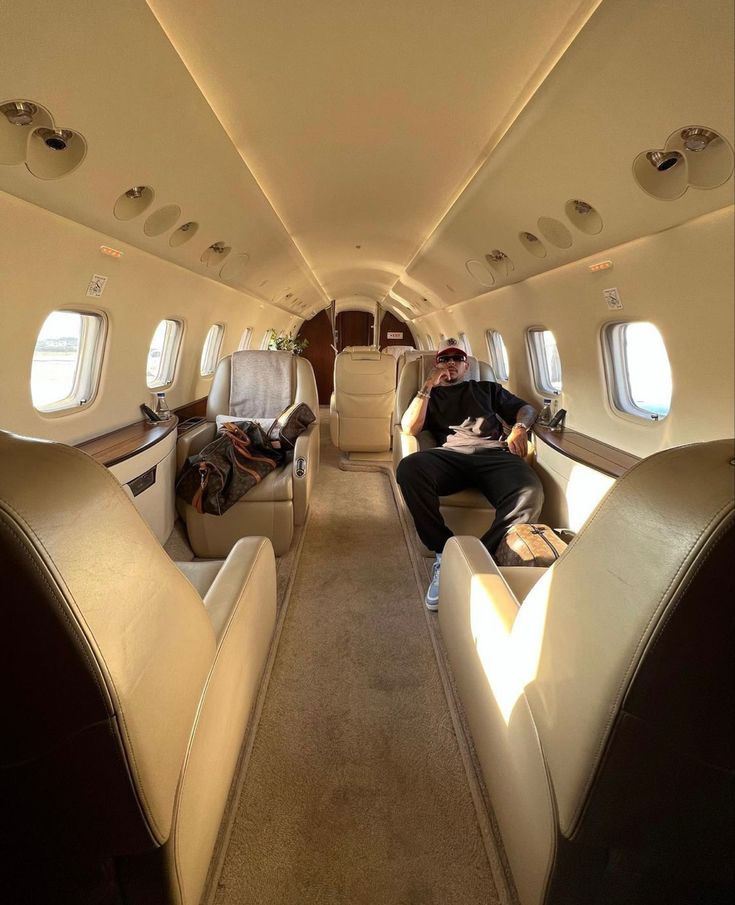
pixel 55 358
pixel 155 356
pixel 553 363
pixel 648 369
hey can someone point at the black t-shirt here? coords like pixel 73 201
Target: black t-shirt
pixel 479 400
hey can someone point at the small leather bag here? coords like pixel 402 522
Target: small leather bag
pixel 290 424
pixel 234 462
pixel 529 545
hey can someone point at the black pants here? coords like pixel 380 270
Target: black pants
pixel 507 481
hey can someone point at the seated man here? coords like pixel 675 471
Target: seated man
pixel 472 451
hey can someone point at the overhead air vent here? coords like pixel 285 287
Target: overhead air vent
pixel 18 116
pixel 53 153
pixel 500 264
pixel 185 233
pixel 133 202
pixel 215 255
pixel 532 244
pixel 583 216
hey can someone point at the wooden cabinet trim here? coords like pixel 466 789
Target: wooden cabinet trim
pixel 588 451
pixel 125 442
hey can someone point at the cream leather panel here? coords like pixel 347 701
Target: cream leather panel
pixel 477 612
pixel 156 503
pixel 618 578
pixel 242 607
pixel 213 536
pixel 364 397
pixel 201 574
pixel 116 583
pixel 306 447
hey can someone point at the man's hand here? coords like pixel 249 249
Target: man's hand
pixel 437 376
pixel 518 441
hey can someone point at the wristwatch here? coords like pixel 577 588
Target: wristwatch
pixel 520 424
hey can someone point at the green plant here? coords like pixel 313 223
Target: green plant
pixel 286 342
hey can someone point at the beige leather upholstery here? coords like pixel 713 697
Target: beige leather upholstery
pixel 361 408
pixel 601 708
pixel 281 500
pixel 122 687
pixel 466 512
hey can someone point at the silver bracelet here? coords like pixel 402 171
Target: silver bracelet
pixel 421 394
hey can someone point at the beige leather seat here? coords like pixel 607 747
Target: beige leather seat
pixel 281 500
pixel 466 512
pixel 600 700
pixel 125 695
pixel 361 408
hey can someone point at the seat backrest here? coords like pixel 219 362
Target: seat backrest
pixel 415 367
pixel 106 649
pixel 261 384
pixel 364 396
pixel 631 692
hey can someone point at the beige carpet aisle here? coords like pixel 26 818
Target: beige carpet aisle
pixel 355 792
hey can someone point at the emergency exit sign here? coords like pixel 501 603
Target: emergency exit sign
pixel 395 336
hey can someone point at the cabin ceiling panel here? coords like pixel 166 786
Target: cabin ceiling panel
pixel 112 75
pixel 623 87
pixel 362 122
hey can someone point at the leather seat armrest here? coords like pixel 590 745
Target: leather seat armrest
pixel 307 450
pixel 471 583
pixel 249 569
pixel 403 445
pixel 520 579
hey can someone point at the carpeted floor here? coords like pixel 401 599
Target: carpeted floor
pixel 355 790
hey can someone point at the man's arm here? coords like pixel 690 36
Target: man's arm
pixel 518 437
pixel 414 417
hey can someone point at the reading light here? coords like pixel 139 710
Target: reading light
pixel 581 207
pixel 110 252
pixel 55 139
pixel 19 113
pixel 696 138
pixel 135 192
pixel 600 265
pixel 663 160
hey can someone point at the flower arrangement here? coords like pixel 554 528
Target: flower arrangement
pixel 286 342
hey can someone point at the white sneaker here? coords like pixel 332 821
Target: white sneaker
pixel 432 595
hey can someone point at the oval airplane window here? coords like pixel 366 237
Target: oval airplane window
pixel 639 373
pixel 162 354
pixel 67 360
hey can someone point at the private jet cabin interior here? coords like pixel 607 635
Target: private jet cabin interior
pixel 256 706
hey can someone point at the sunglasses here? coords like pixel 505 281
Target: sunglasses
pixel 443 359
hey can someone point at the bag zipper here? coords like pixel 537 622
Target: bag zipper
pixel 540 533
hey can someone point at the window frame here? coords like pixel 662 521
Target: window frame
pixel 265 341
pixel 617 373
pixel 211 349
pixel 498 354
pixel 245 340
pixel 170 351
pixel 88 367
pixel 465 343
pixel 539 363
